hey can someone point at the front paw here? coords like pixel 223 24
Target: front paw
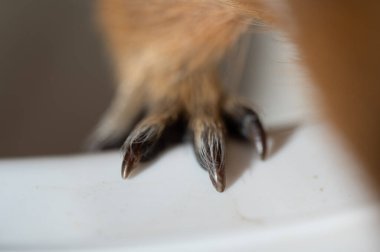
pixel 199 107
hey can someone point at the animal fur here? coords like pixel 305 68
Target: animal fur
pixel 166 52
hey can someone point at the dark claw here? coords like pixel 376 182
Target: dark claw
pixel 254 131
pixel 218 179
pixel 209 148
pixel 139 144
pixel 244 122
pixel 130 160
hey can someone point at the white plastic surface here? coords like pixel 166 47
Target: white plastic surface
pixel 306 194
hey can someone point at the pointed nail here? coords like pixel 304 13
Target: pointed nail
pixel 253 130
pixel 258 137
pixel 209 148
pixel 245 122
pixel 129 163
pixel 218 179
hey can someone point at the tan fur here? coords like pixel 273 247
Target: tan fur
pixel 166 52
pixel 340 44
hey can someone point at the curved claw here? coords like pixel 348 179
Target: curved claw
pixel 217 178
pixel 131 158
pixel 141 141
pixel 209 148
pixel 245 122
pixel 253 130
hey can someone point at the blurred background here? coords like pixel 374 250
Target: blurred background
pixel 54 76
pixel 56 80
